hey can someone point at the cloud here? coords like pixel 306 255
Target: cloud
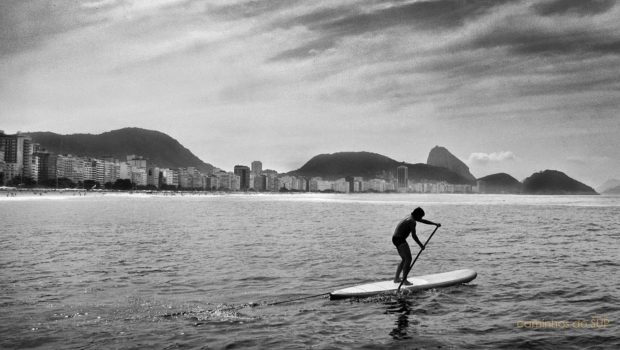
pixel 331 25
pixel 494 157
pixel 578 7
pixel 528 35
pixel 25 25
pixel 537 72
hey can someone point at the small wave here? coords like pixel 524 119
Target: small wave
pixel 28 343
pixel 554 342
pixel 146 272
pixel 599 299
pixel 604 263
pixel 221 313
pixel 258 279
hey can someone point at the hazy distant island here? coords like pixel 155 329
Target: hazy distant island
pixel 554 182
pixel 501 183
pixel 442 167
pixel 611 186
pixel 613 190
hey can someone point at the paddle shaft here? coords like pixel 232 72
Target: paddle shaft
pixel 416 258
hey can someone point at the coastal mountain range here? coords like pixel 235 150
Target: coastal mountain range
pixel 159 148
pixel 164 151
pixel 373 165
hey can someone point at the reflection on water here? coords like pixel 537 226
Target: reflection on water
pixel 401 307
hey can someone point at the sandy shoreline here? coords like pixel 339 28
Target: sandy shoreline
pixel 13 193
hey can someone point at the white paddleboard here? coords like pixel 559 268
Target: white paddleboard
pixel 436 280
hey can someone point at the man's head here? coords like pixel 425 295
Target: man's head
pixel 417 213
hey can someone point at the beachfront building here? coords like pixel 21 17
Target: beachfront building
pixel 17 155
pixel 137 161
pixel 190 178
pixel 153 177
pixel 2 165
pixel 402 176
pixel 228 181
pixel 271 182
pixel 257 167
pixel 260 183
pixel 317 184
pixel 70 167
pixel 341 185
pixel 244 176
pixel 167 177
pixel 291 183
pixel 377 185
pixel 139 177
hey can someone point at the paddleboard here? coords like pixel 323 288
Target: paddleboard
pixel 436 280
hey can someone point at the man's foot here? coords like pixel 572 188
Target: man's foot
pixel 397 280
pixel 407 283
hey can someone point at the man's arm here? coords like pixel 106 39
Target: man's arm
pixel 429 222
pixel 415 236
pixel 417 240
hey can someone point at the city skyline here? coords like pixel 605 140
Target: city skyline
pixel 507 86
pixel 257 164
pixel 26 164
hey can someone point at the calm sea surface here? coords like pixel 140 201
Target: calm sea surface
pixel 162 272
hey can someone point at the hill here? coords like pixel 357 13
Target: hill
pixel 554 182
pixel 441 157
pixel 500 183
pixel 160 149
pixel 371 165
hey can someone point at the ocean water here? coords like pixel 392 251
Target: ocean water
pixel 204 272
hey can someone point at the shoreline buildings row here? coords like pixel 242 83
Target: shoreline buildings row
pixel 21 160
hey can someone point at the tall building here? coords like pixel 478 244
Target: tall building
pixel 137 161
pixel 244 176
pixel 31 166
pixel 402 176
pixel 257 167
pixel 2 165
pixel 18 156
pixel 153 177
pixel 260 183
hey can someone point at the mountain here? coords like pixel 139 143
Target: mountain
pixel 500 183
pixel 371 165
pixel 554 182
pixel 441 157
pixel 160 149
pixel 608 185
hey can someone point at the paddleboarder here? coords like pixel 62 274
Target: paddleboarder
pixel 402 231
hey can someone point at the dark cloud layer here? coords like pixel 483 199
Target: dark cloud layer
pixel 333 24
pixel 522 40
pixel 578 7
pixel 427 15
pixel 251 8
pixel 329 26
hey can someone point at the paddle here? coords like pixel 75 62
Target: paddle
pixel 416 258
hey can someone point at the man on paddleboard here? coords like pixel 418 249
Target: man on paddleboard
pixel 404 227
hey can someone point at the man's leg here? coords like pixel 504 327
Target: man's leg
pixel 398 271
pixel 405 254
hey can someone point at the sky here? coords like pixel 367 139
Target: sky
pixel 511 86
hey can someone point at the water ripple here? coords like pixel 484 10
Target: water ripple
pixel 205 271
